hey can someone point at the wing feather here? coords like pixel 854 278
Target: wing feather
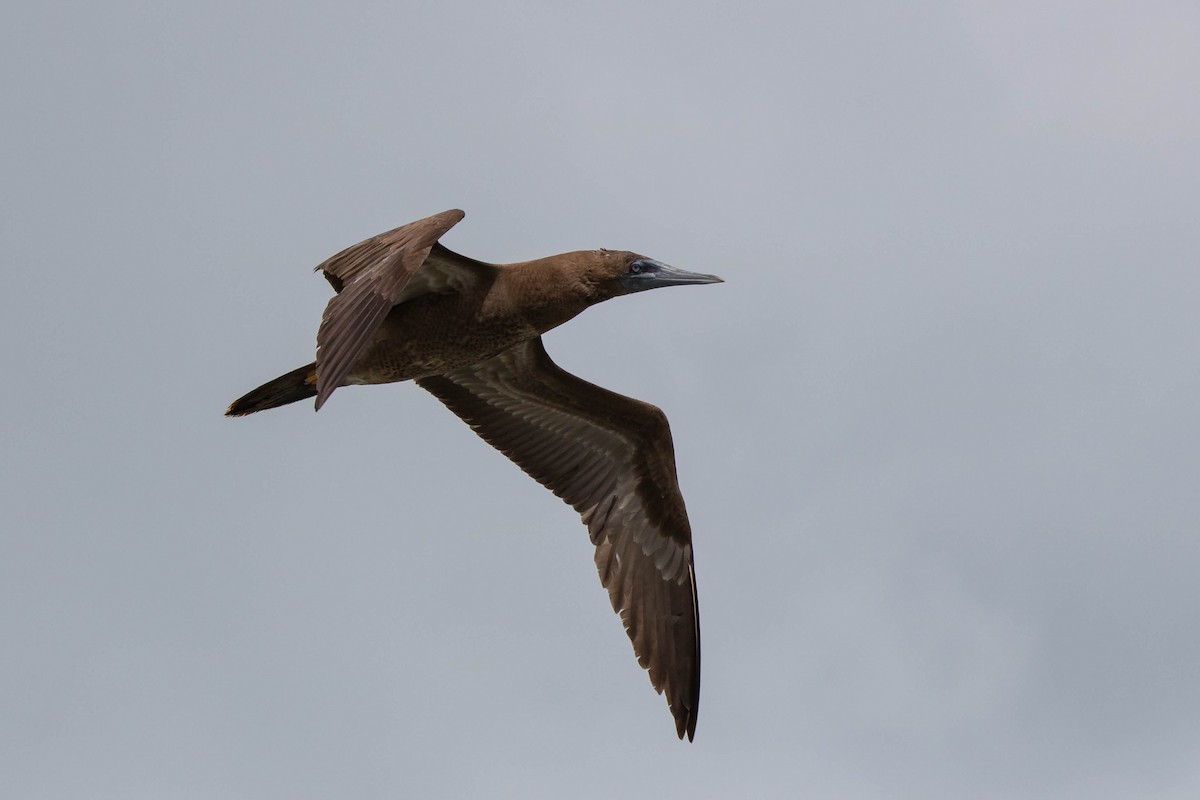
pixel 373 276
pixel 611 458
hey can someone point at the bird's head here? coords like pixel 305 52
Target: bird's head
pixel 617 272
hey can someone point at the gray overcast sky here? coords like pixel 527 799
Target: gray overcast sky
pixel 938 432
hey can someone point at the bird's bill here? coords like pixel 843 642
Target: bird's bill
pixel 646 273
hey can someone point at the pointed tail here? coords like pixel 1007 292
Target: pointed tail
pixel 296 385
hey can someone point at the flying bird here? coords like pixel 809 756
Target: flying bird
pixel 407 308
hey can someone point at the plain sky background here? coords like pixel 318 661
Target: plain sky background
pixel 938 433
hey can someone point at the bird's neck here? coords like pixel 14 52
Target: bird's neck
pixel 549 294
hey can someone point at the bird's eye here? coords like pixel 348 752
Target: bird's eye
pixel 635 267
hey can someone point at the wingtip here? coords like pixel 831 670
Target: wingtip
pixel 323 388
pixel 685 725
pixel 322 397
pixel 450 217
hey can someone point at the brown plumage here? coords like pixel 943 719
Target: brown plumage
pixel 407 308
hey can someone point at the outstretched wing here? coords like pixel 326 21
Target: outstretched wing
pixel 611 458
pixel 371 277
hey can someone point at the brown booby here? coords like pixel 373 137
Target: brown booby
pixel 407 308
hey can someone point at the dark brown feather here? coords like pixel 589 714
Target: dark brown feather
pixel 612 459
pixel 370 278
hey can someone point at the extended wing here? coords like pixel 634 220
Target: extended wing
pixel 612 459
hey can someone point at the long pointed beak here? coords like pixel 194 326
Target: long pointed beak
pixel 646 273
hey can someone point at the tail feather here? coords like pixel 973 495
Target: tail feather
pixel 298 384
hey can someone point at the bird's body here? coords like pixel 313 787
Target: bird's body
pixel 434 333
pixel 469 332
